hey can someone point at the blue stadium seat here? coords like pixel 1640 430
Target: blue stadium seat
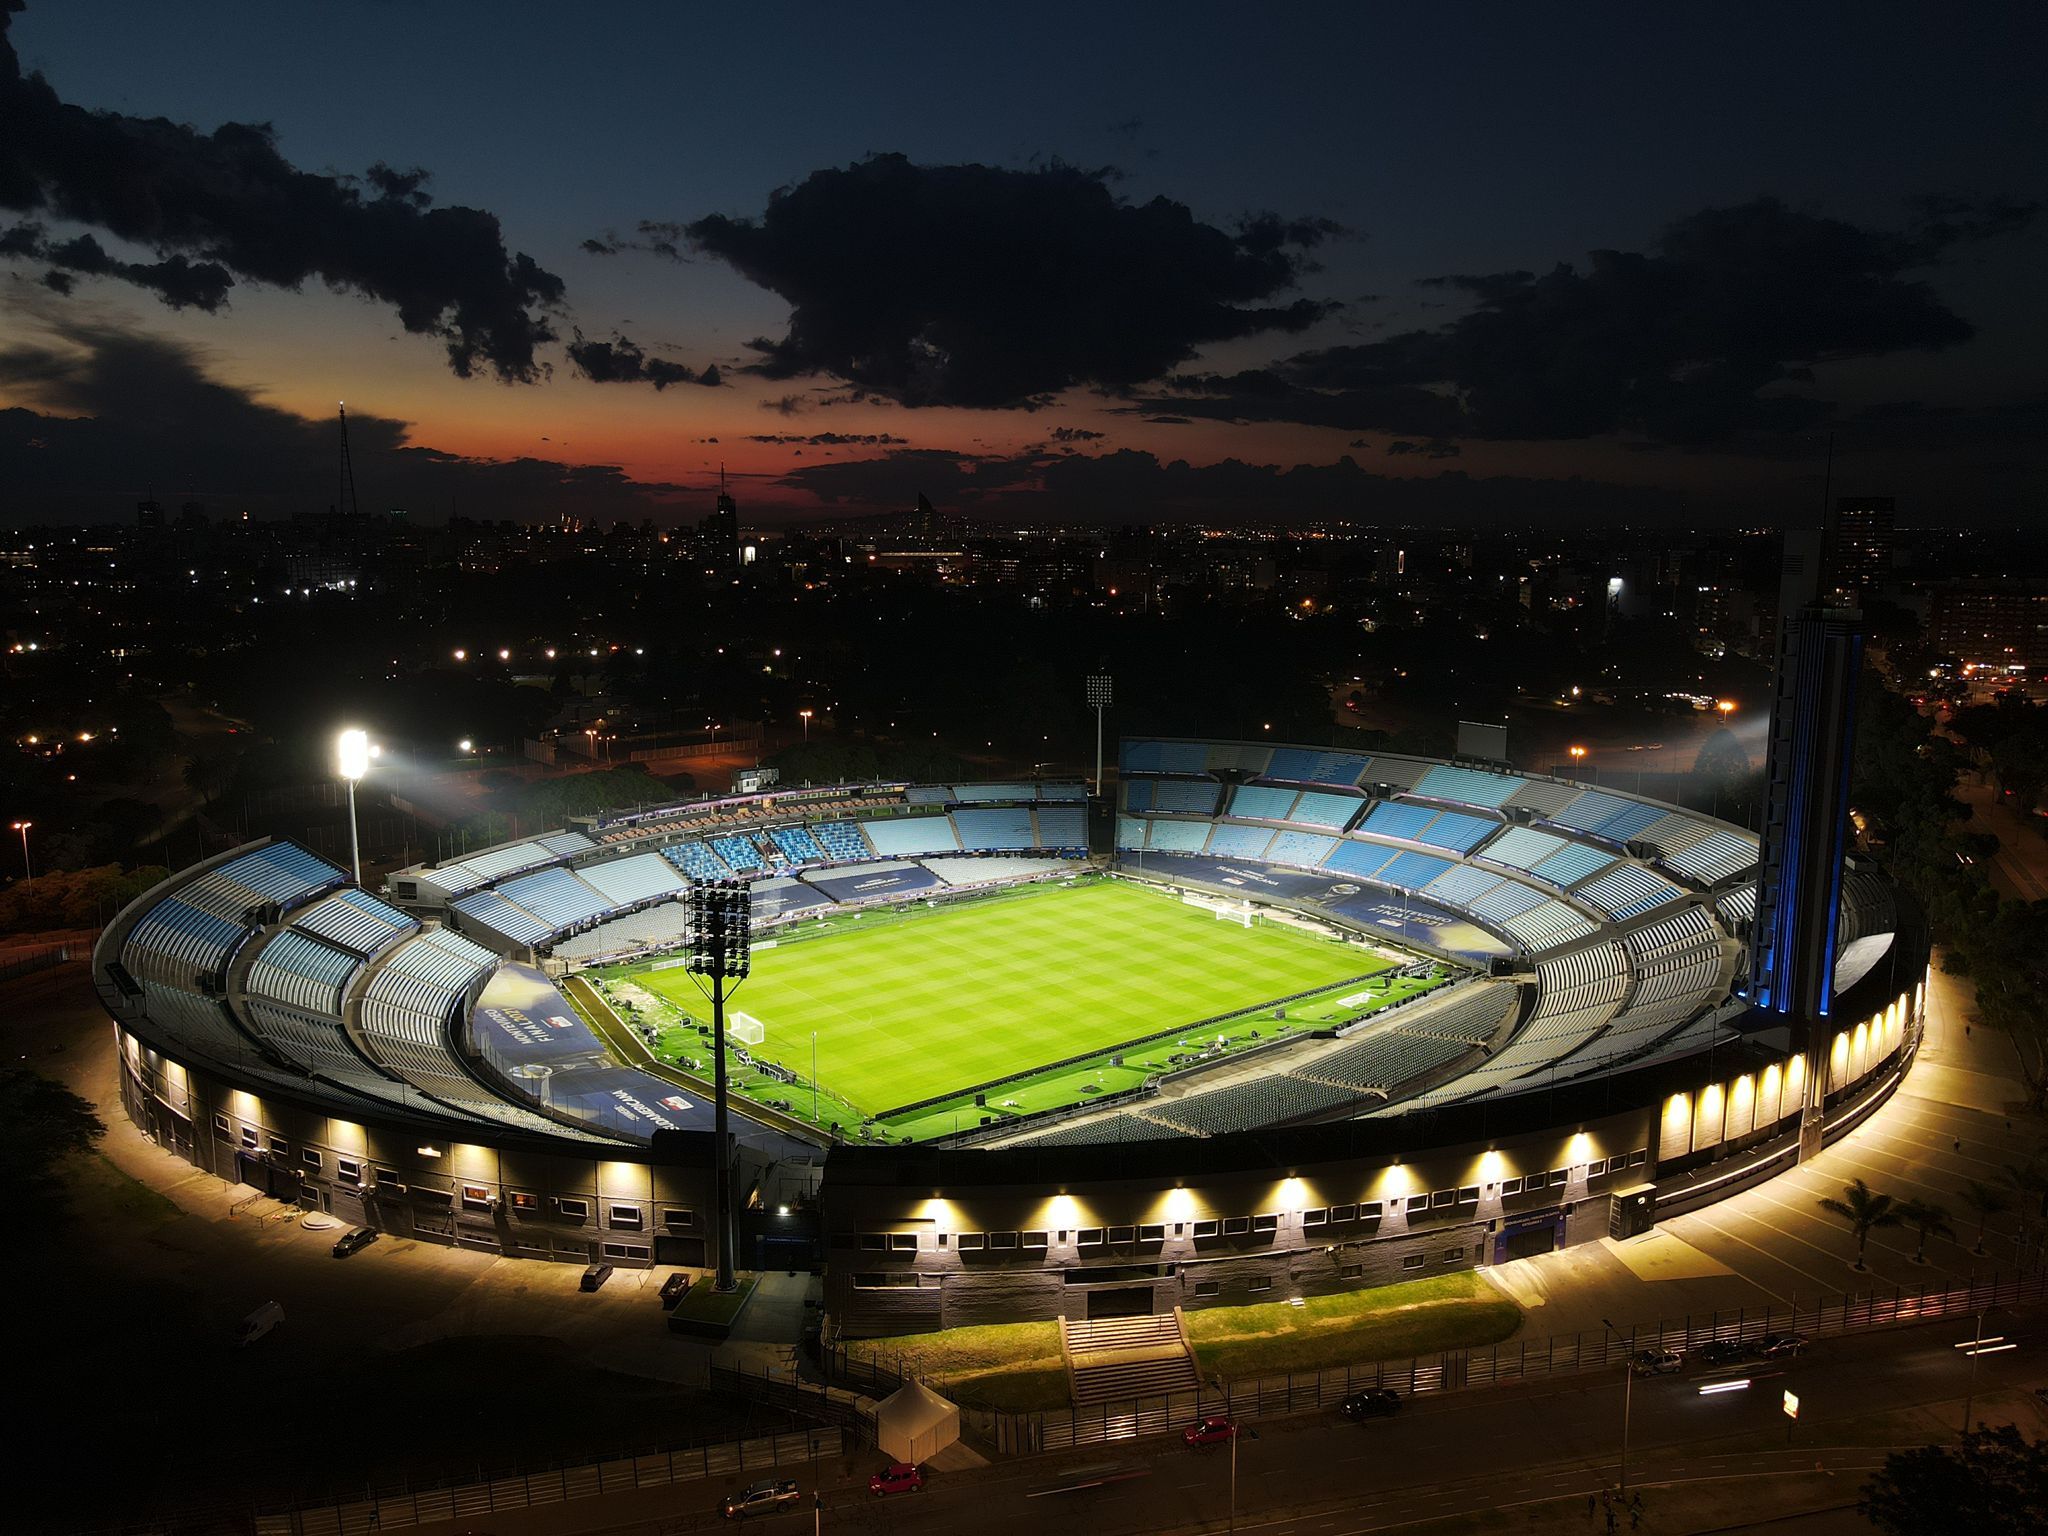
pixel 1261 802
pixel 797 845
pixel 841 840
pixel 697 861
pixel 1005 829
pixel 739 853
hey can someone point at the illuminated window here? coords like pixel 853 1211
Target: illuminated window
pixel 526 1202
pixel 475 1197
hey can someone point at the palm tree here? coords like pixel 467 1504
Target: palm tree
pixel 1985 1201
pixel 1865 1211
pixel 1928 1219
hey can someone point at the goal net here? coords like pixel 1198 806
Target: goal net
pixel 1239 912
pixel 746 1029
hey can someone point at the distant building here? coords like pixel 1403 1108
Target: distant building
pixel 1990 623
pixel 1860 561
pixel 149 514
pixel 720 532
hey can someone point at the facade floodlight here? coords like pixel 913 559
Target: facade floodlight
pixel 352 759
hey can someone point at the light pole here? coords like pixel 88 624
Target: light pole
pixel 1628 1389
pixel 805 716
pixel 1973 1347
pixel 720 946
pixel 1098 700
pixel 353 759
pixel 27 875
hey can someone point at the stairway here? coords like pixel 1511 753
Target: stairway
pixel 1116 1358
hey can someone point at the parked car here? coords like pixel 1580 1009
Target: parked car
pixel 261 1321
pixel 897 1477
pixel 354 1240
pixel 1781 1346
pixel 760 1499
pixel 595 1277
pixel 1656 1362
pixel 1372 1403
pixel 1717 1352
pixel 1214 1429
pixel 673 1289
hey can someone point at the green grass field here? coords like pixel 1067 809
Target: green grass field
pixel 915 1006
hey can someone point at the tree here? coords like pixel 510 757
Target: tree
pixel 1865 1211
pixel 1995 1483
pixel 1985 1201
pixel 1928 1219
pixel 41 1123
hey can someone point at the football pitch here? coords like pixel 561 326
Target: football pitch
pixel 912 1007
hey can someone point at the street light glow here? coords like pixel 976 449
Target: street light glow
pixel 353 754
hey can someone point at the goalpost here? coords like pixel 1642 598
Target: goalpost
pixel 746 1029
pixel 1222 908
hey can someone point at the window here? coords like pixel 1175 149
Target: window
pixel 1351 1272
pixel 623 1250
pixel 942 1239
pixel 1205 1229
pixel 1469 1195
pixel 1122 1234
pixel 626 1218
pixel 1262 1283
pixel 478 1198
pixel 309 1157
pixel 526 1202
pixel 1452 1255
pixel 1236 1226
pixel 221 1129
pixel 973 1240
pixel 1442 1198
pixel 1560 1176
pixel 1635 1158
pixel 1002 1239
pixel 1034 1239
pixel 1265 1223
pixel 575 1210
pixel 1368 1211
pixel 902 1280
pixel 389 1176
pixel 1206 1288
pixel 249 1138
pixel 875 1242
pixel 279 1147
pixel 348 1170
pixel 1088 1237
pixel 1511 1186
pixel 1418 1202
pixel 1152 1234
pixel 1412 1261
pixel 1315 1217
pixel 1596 1167
pixel 676 1216
pixel 903 1242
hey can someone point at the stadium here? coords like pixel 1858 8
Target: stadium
pixel 1259 1021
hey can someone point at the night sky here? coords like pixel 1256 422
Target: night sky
pixel 1501 264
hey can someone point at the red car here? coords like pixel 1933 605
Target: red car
pixel 897 1477
pixel 1213 1430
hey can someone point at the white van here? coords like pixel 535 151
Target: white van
pixel 261 1321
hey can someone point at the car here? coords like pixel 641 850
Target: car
pixel 1656 1362
pixel 1716 1352
pixel 354 1240
pixel 1781 1346
pixel 1372 1403
pixel 1212 1429
pixel 760 1499
pixel 595 1277
pixel 261 1321
pixel 673 1290
pixel 897 1477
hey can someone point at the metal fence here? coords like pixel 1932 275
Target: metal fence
pixel 476 1501
pixel 20 962
pixel 1559 1354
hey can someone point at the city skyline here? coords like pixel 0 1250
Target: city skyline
pixel 1293 273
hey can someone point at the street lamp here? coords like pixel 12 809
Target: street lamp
pixel 27 875
pixel 805 716
pixel 1628 1387
pixel 353 760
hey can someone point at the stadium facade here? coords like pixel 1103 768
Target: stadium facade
pixel 409 1059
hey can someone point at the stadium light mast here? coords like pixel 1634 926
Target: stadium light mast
pixel 720 947
pixel 352 752
pixel 1098 700
pixel 28 874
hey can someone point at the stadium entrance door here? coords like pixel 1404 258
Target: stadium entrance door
pixel 1123 1301
pixel 1528 1236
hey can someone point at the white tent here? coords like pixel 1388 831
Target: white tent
pixel 914 1423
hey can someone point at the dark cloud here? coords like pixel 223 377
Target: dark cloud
pixel 1435 449
pixel 1701 339
pixel 220 206
pixel 1074 435
pixel 652 237
pixel 620 361
pixel 971 285
pixel 112 416
pixel 180 283
pixel 830 439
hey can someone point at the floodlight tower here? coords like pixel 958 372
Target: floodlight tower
pixel 1098 700
pixel 353 761
pixel 720 947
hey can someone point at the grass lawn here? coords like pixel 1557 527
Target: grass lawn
pixel 936 1002
pixel 1011 1366
pixel 702 1304
pixel 1389 1322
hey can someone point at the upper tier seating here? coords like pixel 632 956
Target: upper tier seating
pixel 648 928
pixel 1062 826
pixel 557 898
pixel 1468 786
pixel 1322 809
pixel 841 840
pixel 638 877
pixel 981 794
pixel 294 968
pixel 1261 802
pixel 797 845
pixel 1626 891
pixel 903 837
pixel 1383 1060
pixel 1234 842
pixel 697 861
pixel 1363 859
pixel 1522 847
pixel 355 920
pixel 1572 863
pixel 1186 836
pixel 494 911
pixel 1243 1106
pixel 176 944
pixel 1301 766
pixel 1196 796
pixel 739 853
pixel 996 830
